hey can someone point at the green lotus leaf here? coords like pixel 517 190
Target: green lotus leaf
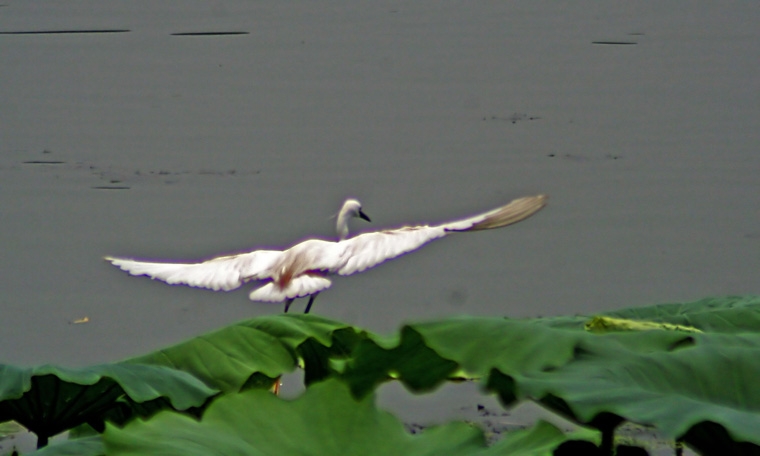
pixel 600 324
pixel 427 354
pixel 729 314
pixel 412 362
pixel 325 420
pixel 690 385
pixel 252 353
pixel 540 439
pixel 430 353
pixel 710 384
pixel 479 344
pixel 88 446
pixel 50 399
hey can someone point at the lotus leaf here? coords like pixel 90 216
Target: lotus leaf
pixel 89 446
pixel 325 420
pixel 257 351
pixel 709 385
pixel 50 399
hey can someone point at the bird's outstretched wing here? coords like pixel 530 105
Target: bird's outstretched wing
pixel 221 273
pixel 370 249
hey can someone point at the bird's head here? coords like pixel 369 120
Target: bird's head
pixel 352 208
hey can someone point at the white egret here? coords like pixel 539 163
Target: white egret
pixel 304 269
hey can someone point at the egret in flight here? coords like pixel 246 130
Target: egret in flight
pixel 305 268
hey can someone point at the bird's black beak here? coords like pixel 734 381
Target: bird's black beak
pixel 364 216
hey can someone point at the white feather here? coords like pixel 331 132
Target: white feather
pixel 370 249
pixel 299 287
pixel 302 269
pixel 222 273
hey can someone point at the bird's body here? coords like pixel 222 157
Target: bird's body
pixel 304 269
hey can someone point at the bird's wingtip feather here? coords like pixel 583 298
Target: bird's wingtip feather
pixel 516 211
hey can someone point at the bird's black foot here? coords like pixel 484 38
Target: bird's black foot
pixel 311 301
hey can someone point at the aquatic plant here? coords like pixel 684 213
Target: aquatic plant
pixel 687 371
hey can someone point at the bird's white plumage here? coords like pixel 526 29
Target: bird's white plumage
pixel 370 249
pixel 299 287
pixel 303 269
pixel 222 273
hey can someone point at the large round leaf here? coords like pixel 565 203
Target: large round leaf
pixel 729 314
pixel 50 399
pixel 87 446
pixel 257 350
pixel 732 314
pixel 427 354
pixel 678 392
pixel 326 420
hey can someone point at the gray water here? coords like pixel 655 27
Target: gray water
pixel 640 120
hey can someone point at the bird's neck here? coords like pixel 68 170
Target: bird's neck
pixel 342 226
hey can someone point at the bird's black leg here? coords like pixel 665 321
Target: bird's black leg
pixel 311 301
pixel 288 302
